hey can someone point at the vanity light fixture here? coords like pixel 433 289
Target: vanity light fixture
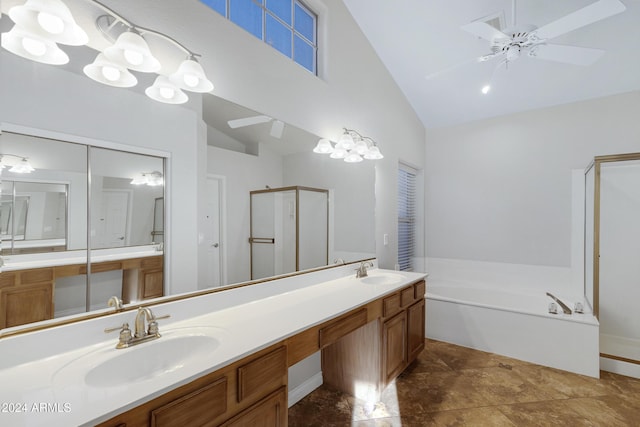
pixel 21 166
pixel 151 179
pixel 352 147
pixel 41 24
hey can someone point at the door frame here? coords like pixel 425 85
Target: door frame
pixel 222 204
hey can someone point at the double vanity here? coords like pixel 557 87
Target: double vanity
pixel 222 358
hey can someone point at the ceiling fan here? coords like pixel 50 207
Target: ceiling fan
pixel 277 127
pixel 510 44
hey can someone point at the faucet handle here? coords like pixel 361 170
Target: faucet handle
pixel 125 334
pixel 153 324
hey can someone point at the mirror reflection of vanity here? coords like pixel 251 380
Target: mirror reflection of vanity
pixel 77 229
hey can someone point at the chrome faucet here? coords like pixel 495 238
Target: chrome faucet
pixel 362 270
pixel 141 334
pixel 565 308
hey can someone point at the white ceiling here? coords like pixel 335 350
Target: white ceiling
pixel 417 38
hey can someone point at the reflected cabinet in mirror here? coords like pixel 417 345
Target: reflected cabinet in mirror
pixel 77 228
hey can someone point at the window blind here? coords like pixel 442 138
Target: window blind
pixel 406 216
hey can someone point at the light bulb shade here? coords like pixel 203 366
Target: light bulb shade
pixel 338 153
pixel 109 73
pixel 190 76
pixel 323 147
pixel 29 46
pixel 131 51
pixel 139 179
pixel 361 147
pixel 155 179
pixel 373 154
pixel 49 19
pixel 346 141
pixel 22 166
pixel 163 90
pixel 353 157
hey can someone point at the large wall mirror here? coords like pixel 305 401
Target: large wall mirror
pixel 76 197
pixel 110 224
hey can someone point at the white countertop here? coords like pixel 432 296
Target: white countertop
pixel 54 259
pixel 51 391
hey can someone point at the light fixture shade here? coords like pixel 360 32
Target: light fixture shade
pixel 21 43
pixel 49 19
pixel 338 153
pixel 155 179
pixel 139 179
pixel 131 51
pixel 109 73
pixel 373 154
pixel 361 147
pixel 323 147
pixel 22 166
pixel 346 141
pixel 190 76
pixel 353 157
pixel 163 90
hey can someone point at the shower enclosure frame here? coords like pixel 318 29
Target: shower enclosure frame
pixel 596 166
pixel 259 240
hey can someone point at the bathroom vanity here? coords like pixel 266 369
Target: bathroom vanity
pixel 222 364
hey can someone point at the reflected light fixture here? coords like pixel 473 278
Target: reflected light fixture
pixel 152 179
pixel 352 147
pixel 41 24
pixel 21 166
pixel 485 89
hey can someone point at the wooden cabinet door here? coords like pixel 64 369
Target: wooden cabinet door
pixel 152 284
pixel 394 346
pixel 415 329
pixel 268 412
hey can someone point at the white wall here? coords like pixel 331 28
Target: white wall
pixel 499 190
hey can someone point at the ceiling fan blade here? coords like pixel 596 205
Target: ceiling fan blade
pixel 567 54
pixel 587 15
pixel 248 121
pixel 276 129
pixel 462 64
pixel 484 31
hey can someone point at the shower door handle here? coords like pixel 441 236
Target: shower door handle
pixel 269 240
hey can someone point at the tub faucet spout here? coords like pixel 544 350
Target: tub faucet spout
pixel 565 308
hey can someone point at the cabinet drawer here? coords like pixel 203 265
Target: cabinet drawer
pixel 152 262
pixel 100 267
pixel 406 296
pixel 341 327
pixel 7 279
pixel 420 289
pixel 391 305
pixel 262 375
pixel 196 408
pixel 36 276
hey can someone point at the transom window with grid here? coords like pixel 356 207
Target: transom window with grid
pixel 289 26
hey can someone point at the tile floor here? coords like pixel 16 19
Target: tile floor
pixel 455 386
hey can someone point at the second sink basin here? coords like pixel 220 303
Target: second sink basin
pixel 149 360
pixel 382 279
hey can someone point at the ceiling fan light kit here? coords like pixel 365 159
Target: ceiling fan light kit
pixel 41 24
pixel 352 147
pixel 529 40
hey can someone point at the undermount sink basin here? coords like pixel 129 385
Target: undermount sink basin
pixel 382 279
pixel 149 360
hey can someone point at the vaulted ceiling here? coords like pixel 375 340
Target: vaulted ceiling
pixel 432 58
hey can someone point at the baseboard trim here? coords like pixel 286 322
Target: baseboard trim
pixel 304 389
